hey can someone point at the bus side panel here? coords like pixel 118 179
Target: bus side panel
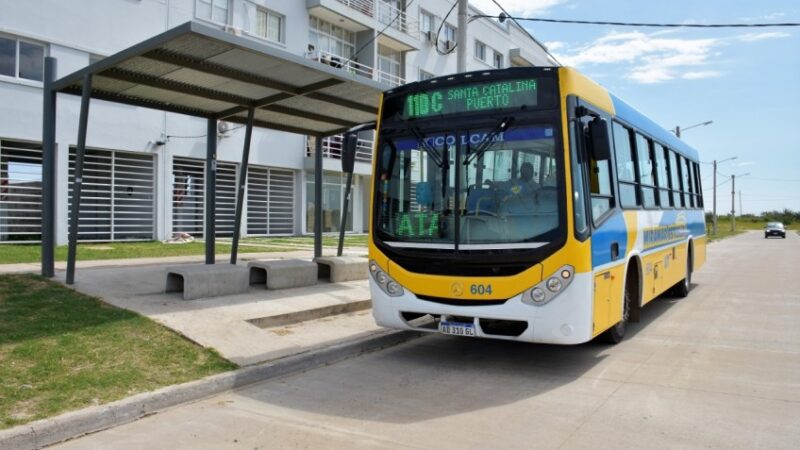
pixel 699 252
pixel 607 298
pixel 617 233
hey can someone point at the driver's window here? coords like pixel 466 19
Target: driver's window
pixel 599 177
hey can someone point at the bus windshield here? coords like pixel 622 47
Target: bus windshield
pixel 471 189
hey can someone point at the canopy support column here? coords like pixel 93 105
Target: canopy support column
pixel 77 184
pixel 344 212
pixel 48 168
pixel 211 189
pixel 318 197
pixel 242 183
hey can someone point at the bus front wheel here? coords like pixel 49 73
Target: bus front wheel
pixel 615 334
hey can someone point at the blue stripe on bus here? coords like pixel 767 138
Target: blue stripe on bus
pixel 612 230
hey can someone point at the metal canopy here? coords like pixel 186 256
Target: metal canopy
pixel 201 71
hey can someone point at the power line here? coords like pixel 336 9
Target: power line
pixel 526 32
pixel 647 24
pixel 787 180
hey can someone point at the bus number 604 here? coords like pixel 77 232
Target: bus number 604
pixel 480 289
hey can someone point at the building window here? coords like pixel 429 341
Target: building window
pixel 497 61
pixel 269 25
pixel 425 75
pixel 427 22
pixel 21 59
pixel 213 10
pixel 480 50
pixel 118 195
pixel 450 33
pixel 20 191
pixel 389 66
pixel 330 39
pixel 333 187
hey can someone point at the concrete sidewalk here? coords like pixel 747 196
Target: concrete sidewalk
pixel 230 324
pixel 258 326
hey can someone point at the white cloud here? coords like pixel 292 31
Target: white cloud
pixel 554 45
pixel 516 7
pixel 752 37
pixel 701 75
pixel 653 58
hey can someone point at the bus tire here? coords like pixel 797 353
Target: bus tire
pixel 685 285
pixel 615 334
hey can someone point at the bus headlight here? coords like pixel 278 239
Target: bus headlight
pixel 385 282
pixel 554 284
pixel 550 287
pixel 538 295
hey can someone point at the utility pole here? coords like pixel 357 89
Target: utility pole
pixel 741 210
pixel 733 203
pixel 714 213
pixel 677 131
pixel 733 199
pixel 461 37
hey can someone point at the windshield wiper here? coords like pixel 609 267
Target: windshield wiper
pixel 432 151
pixel 488 140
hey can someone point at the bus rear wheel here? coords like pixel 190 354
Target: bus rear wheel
pixel 615 334
pixel 684 286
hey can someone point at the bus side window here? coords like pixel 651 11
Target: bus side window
pixel 599 179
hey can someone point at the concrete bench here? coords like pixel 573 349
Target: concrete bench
pixel 207 280
pixel 342 268
pixel 283 273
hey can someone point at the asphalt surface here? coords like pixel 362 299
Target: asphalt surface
pixel 719 369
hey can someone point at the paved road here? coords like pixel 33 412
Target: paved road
pixel 720 369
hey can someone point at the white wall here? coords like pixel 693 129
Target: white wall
pixel 74 29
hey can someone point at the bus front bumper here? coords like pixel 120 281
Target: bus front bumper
pixel 567 319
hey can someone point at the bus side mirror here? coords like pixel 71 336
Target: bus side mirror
pixel 349 152
pixel 601 144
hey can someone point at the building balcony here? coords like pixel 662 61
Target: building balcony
pixel 403 29
pixel 355 67
pixel 332 151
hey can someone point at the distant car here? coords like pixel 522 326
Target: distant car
pixel 774 229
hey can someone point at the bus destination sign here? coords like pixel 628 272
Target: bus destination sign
pixel 471 98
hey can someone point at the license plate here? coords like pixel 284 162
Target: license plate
pixel 457 328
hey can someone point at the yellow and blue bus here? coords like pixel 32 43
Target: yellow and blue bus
pixel 527 204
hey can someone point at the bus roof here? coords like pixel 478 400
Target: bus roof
pixel 630 115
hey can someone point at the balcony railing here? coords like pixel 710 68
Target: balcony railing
pixel 332 148
pixel 389 78
pixel 340 62
pixel 385 13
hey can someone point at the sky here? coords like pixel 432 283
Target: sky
pixel 747 81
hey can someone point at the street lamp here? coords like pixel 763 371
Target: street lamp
pixel 678 129
pixel 714 213
pixel 733 198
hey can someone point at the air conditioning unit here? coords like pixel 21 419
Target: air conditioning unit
pixel 223 128
pixel 449 45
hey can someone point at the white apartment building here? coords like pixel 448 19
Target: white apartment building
pixel 143 173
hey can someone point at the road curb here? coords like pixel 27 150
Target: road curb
pixel 96 418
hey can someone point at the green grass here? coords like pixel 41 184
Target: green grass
pixel 742 225
pixel 61 350
pixel 359 240
pixel 29 253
